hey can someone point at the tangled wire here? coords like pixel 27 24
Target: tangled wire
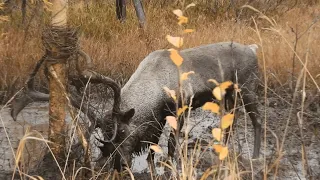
pixel 60 43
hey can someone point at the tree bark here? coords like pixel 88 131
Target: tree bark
pixel 57 103
pixel 23 10
pixel 121 10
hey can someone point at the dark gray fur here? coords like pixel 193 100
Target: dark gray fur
pixel 144 99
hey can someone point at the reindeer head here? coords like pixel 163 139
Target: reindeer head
pixel 123 119
pixel 117 147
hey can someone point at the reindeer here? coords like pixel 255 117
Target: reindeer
pixel 139 111
pixel 144 104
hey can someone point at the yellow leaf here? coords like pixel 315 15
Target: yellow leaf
pixel 213 107
pixel 172 122
pixel 181 110
pixel 176 41
pixel 188 31
pixel 214 81
pixel 177 12
pixel 175 57
pixel 182 20
pixel 225 85
pixel 217 147
pixel 170 93
pixel 216 133
pixel 184 76
pixel 223 153
pixel 220 91
pixel 191 5
pixel 156 148
pixel 226 121
pixel 218 94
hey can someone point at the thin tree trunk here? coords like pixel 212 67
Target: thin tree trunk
pixel 121 10
pixel 23 10
pixel 57 104
pixel 140 13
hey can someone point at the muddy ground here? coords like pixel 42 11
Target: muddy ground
pixel 200 126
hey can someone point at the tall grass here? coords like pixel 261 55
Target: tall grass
pixel 117 49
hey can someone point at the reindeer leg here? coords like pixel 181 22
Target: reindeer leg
pixel 251 108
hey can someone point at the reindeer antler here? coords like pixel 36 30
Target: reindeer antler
pixel 95 77
pixel 30 95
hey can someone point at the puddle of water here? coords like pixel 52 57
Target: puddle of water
pixel 36 117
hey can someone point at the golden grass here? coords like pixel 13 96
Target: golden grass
pixel 117 49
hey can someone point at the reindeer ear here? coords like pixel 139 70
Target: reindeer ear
pixel 128 115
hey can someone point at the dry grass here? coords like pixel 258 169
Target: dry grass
pixel 118 48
